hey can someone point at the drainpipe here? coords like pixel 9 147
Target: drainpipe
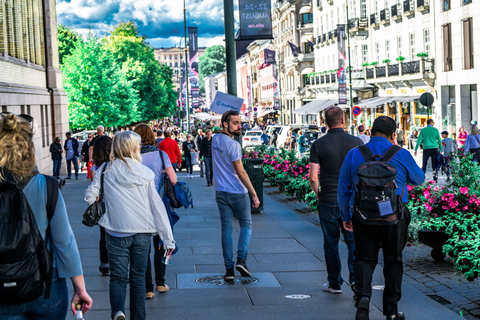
pixel 48 46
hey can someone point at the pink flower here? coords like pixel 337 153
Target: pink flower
pixel 428 207
pixel 409 188
pixel 463 190
pixel 445 207
pixel 426 193
pixel 465 208
pixel 436 188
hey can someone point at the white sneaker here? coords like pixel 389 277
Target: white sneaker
pixel 326 287
pixel 119 316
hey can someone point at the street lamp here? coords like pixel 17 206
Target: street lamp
pixel 179 77
pixel 349 72
pixel 187 75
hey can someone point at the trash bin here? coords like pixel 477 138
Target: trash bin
pixel 254 169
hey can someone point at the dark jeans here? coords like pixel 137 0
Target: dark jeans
pixel 158 265
pixel 188 161
pixel 368 241
pixel 174 165
pixel 430 153
pixel 75 166
pixel 332 225
pixel 54 307
pixel 208 169
pixel 57 164
pixel 103 246
pixel 124 252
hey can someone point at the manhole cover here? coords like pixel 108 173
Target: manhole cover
pixel 218 280
pixel 298 296
pixel 382 287
pixel 439 299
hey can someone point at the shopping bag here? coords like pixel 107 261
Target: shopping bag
pixel 194 157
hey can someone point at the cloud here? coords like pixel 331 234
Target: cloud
pixel 157 19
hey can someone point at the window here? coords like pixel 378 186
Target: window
pixel 377 51
pixel 307 18
pixel 399 46
pixel 387 48
pixel 307 48
pixel 426 41
pixel 467 44
pixel 465 2
pixel 364 53
pixel 363 5
pixel 376 5
pixel 447 47
pixel 412 46
pixel 446 5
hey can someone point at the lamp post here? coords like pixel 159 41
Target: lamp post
pixel 179 78
pixel 230 47
pixel 349 71
pixel 187 75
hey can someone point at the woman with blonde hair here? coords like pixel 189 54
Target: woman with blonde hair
pixel 134 213
pixel 18 170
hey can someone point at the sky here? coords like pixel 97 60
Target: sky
pixel 160 20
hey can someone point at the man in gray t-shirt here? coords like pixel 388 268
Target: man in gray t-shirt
pixel 232 185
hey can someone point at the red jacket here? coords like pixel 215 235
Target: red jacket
pixel 170 147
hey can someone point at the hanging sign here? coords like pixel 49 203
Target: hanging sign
pixel 342 74
pixel 255 19
pixel 224 102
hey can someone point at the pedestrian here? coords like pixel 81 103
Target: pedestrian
pixel 326 158
pixel 84 153
pixel 400 136
pixel 71 155
pixel 369 239
pixel 291 142
pixel 448 148
pixel 461 137
pixel 101 155
pixel 170 147
pixel 198 142
pixel 274 138
pixel 153 160
pixel 301 144
pixel 100 131
pixel 361 134
pixel 135 212
pixel 159 137
pixel 206 153
pixel 432 143
pixel 265 138
pixel 188 147
pixel 18 170
pixel 472 144
pixel 56 151
pixel 232 186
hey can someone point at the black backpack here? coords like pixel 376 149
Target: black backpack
pixel 375 200
pixel 26 264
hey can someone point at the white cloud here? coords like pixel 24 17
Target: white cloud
pixel 208 42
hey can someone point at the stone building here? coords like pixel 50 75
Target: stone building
pixel 30 78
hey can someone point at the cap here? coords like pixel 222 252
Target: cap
pixel 57 138
pixel 445 132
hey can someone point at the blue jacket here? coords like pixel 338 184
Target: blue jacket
pixel 407 171
pixel 74 146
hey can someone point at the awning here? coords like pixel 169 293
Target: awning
pixel 315 106
pixel 357 84
pixel 264 113
pixel 371 103
pixel 307 38
pixel 307 71
pixel 306 9
pixel 407 98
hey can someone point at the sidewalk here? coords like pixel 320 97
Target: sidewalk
pixel 286 256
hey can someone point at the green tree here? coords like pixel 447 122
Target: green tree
pixel 152 81
pixel 67 39
pixel 99 93
pixel 211 62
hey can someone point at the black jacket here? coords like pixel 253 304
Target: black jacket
pixel 85 151
pixel 74 146
pixel 54 147
pixel 206 148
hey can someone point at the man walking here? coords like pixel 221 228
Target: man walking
pixel 231 192
pixel 432 143
pixel 206 153
pixel 326 157
pixel 198 142
pixel 100 131
pixel 170 147
pixel 72 155
pixel 84 153
pixel 361 134
pixel 159 138
pixel 370 238
pixel 56 151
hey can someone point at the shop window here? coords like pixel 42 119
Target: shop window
pixel 447 47
pixel 420 109
pixel 406 108
pixel 467 44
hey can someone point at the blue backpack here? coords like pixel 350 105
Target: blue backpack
pixel 183 194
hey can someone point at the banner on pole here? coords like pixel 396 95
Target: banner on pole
pixel 224 102
pixel 342 69
pixel 255 19
pixel 193 66
pixel 294 49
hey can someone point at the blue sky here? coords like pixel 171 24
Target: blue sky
pixel 157 19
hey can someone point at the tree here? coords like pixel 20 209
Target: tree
pixel 152 81
pixel 67 39
pixel 99 93
pixel 211 62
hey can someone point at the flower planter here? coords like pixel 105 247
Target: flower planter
pixel 435 239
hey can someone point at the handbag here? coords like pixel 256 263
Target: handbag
pixel 169 187
pixel 194 157
pixel 96 210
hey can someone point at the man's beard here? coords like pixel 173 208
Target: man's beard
pixel 236 133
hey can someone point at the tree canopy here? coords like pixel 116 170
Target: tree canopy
pixel 211 62
pixel 67 38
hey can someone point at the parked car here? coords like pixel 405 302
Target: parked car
pixel 252 138
pixel 310 137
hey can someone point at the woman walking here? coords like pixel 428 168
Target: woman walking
pixel 188 147
pixel 472 144
pixel 17 170
pixel 462 138
pixel 134 212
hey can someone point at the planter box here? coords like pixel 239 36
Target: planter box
pixel 435 239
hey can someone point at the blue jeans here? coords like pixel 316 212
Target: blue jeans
pixel 41 309
pixel 57 164
pixel 332 224
pixel 122 252
pixel 189 166
pixel 75 165
pixel 174 166
pixel 238 205
pixel 208 169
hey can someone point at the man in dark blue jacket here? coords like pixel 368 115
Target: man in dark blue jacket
pixel 369 239
pixel 71 154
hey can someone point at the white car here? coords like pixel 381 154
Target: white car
pixel 252 138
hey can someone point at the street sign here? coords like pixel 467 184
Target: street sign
pixel 426 99
pixel 356 110
pixel 225 102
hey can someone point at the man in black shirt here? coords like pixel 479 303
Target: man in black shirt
pixel 326 158
pixel 206 153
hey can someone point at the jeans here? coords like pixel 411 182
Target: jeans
pixel 332 224
pixel 103 246
pixel 160 267
pixel 208 169
pixel 430 153
pixel 54 307
pixel 234 205
pixel 174 166
pixel 122 252
pixel 75 165
pixel 57 164
pixel 189 166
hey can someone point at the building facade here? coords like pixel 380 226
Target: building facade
pixel 30 77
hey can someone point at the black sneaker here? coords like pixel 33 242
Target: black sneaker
pixel 242 268
pixel 363 306
pixel 229 275
pixel 68 178
pixel 105 271
pixel 397 316
pixel 352 286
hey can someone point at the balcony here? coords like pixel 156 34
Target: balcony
pixel 380 72
pixel 357 24
pixel 305 57
pixel 396 12
pixel 369 74
pixel 401 74
pixel 375 20
pixel 409 8
pixel 411 67
pixel 423 6
pixel 385 17
pixel 322 79
pixel 393 70
pixel 319 5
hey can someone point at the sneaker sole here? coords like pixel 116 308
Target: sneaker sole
pixel 229 278
pixel 244 272
pixel 332 290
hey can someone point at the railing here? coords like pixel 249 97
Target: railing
pixel 408 6
pixel 380 72
pixel 317 79
pixel 324 37
pixel 411 67
pixel 327 78
pixel 369 73
pixel 429 66
pixel 319 39
pixel 334 32
pixel 333 77
pixel 322 79
pixel 393 70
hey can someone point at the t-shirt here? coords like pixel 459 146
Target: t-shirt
pixel 225 151
pixel 329 152
pixel 364 138
pixel 70 152
pixel 158 140
pixel 400 135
